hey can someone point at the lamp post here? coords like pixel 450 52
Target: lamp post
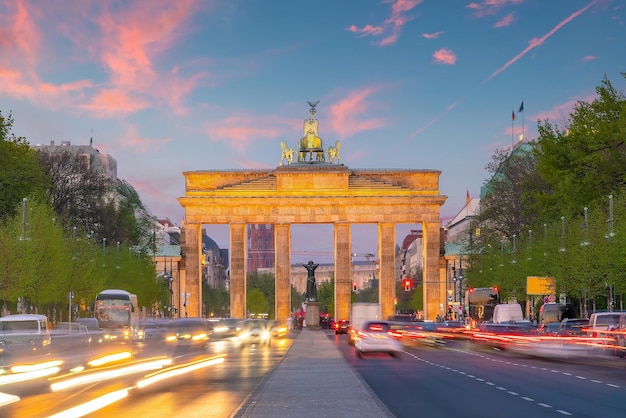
pixel 24 228
pixel 459 279
pixel 117 255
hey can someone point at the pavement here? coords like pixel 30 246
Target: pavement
pixel 313 380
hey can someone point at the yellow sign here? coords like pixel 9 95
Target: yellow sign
pixel 540 285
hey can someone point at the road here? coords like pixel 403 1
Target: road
pixel 461 379
pixel 216 389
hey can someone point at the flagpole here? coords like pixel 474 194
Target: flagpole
pixel 512 129
pixel 522 112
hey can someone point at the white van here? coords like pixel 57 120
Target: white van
pixel 24 333
pixel 507 312
pixel 607 321
pixel 611 325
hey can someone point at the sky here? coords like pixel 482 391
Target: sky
pixel 166 87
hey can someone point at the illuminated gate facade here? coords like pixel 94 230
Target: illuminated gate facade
pixel 310 194
pixel 316 189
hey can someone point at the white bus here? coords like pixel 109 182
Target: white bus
pixel 117 313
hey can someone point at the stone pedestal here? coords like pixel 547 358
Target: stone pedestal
pixel 313 315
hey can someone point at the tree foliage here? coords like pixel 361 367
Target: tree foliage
pixel 43 261
pixel 559 211
pixel 20 173
pixel 585 161
pixel 506 202
pixel 85 196
pixel 265 284
pixel 256 302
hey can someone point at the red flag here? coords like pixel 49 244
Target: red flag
pixel 512 114
pixel 467 197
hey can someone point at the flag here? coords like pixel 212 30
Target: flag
pixel 467 198
pixel 512 114
pixel 521 108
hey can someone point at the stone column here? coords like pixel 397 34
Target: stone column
pixel 387 262
pixel 282 262
pixel 192 291
pixel 434 287
pixel 238 270
pixel 343 273
pixel 386 268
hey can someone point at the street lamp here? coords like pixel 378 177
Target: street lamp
pixel 609 235
pixel 459 279
pixel 23 236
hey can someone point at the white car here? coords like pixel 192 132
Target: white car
pixel 376 337
pixel 254 332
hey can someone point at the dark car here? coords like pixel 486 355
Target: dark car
pixel 225 327
pixel 503 336
pixel 188 333
pixel 342 327
pixel 573 327
pixel 549 329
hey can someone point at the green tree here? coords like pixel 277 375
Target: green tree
pixel 560 224
pixel 369 295
pixel 265 283
pixel 585 161
pixel 216 301
pixel 507 197
pixel 256 303
pixel 296 299
pixel 20 173
pixel 326 296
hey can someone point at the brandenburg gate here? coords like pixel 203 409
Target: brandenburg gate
pixel 313 190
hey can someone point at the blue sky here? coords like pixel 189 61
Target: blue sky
pixel 173 86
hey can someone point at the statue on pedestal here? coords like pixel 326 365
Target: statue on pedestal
pixel 311 288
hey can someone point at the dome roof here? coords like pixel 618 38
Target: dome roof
pixel 209 244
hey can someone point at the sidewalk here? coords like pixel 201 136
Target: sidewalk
pixel 313 380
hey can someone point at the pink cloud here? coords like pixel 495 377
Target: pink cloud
pixel 535 42
pixel 131 139
pixel 392 26
pixel 366 30
pixel 444 56
pixel 23 31
pixel 505 21
pixel 134 38
pixel 490 7
pixel 589 58
pixel 431 35
pixel 128 40
pixel 134 41
pixel 560 114
pixel 239 130
pixel 344 116
pixel 174 88
pixel 114 102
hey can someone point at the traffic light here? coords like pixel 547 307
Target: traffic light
pixel 354 286
pixel 407 285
